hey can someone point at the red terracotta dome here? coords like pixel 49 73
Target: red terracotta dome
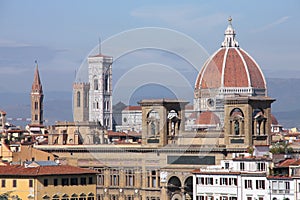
pixel 231 67
pixel 207 118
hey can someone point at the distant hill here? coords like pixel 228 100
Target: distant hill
pixel 58 105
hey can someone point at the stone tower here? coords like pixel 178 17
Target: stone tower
pixel 100 93
pixel 162 121
pixel 81 102
pixel 247 121
pixel 37 97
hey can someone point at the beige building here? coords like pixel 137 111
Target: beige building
pixel 46 181
pixel 17 153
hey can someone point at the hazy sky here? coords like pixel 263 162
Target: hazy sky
pixel 60 35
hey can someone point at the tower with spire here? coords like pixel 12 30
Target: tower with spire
pixel 37 97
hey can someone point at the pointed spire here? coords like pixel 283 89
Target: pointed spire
pixel 229 40
pixel 37 85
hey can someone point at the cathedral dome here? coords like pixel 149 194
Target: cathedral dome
pixel 231 69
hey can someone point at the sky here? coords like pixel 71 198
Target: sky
pixel 146 38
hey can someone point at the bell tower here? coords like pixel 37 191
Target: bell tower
pixel 100 90
pixel 37 97
pixel 247 121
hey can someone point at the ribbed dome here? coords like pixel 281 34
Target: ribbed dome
pixel 231 67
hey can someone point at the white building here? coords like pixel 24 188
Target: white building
pixel 131 119
pixel 239 178
pixel 100 91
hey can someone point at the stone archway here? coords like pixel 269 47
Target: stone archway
pixel 188 188
pixel 174 188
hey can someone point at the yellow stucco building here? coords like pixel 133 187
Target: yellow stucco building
pixel 46 180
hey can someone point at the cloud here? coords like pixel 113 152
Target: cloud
pixel 188 17
pixel 11 43
pixel 272 25
pixel 22 56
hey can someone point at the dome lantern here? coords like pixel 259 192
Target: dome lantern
pixel 229 40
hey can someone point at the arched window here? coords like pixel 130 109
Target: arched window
pixel 236 127
pixel 36 105
pixel 74 197
pixel 153 128
pixel 95 84
pixel 65 197
pixel 91 196
pixel 78 99
pixel 46 197
pixel 82 196
pixel 106 83
pixel 55 197
pixel 86 99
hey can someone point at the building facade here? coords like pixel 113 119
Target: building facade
pixel 47 182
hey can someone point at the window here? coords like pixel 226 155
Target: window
pixel 223 181
pixel 261 166
pixel 249 198
pixel 35 117
pixel 55 197
pixel 129 176
pixel 74 197
pixel 260 184
pixel 55 182
pixel 236 127
pixel 233 181
pixel 78 99
pixel 242 166
pixel 82 196
pixel 100 177
pixel 248 184
pixel 91 196
pixel 226 165
pixel 90 180
pixel 36 105
pixel 209 181
pixel 106 82
pixel 95 84
pixel 232 198
pixel 82 181
pixel 200 198
pixel 153 176
pixel 14 183
pixel 65 197
pixel 287 187
pixel 200 180
pixel 3 183
pixel 45 182
pixel 74 181
pixel 64 181
pixel 30 183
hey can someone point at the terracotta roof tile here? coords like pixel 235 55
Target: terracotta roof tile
pixel 207 118
pixel 133 108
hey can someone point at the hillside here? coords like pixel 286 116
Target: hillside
pixel 58 105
